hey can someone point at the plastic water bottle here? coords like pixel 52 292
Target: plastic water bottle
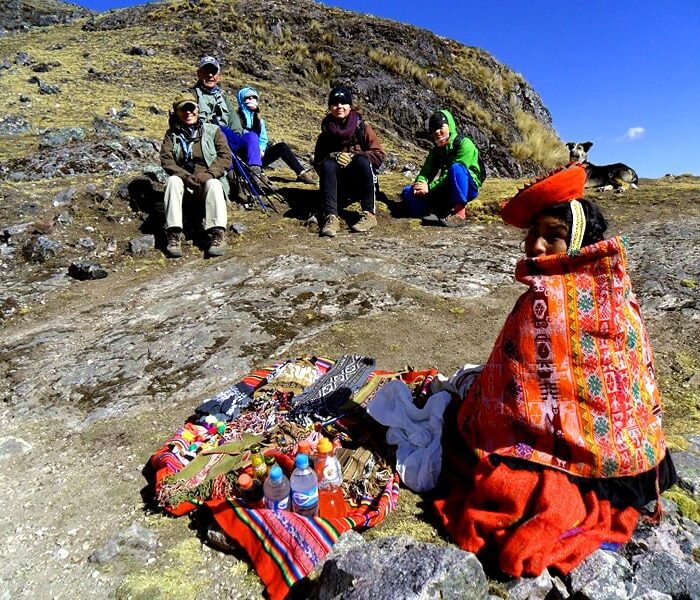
pixel 276 489
pixel 331 502
pixel 304 485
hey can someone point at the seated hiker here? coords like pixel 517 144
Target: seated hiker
pixel 449 178
pixel 347 153
pixel 558 443
pixel 249 113
pixel 216 107
pixel 196 156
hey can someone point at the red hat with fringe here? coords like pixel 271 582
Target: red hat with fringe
pixel 563 185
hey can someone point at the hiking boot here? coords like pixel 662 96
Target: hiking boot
pixel 173 246
pixel 331 227
pixel 217 241
pixel 308 177
pixel 430 220
pixel 367 221
pixel 453 220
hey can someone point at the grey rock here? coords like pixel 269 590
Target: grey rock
pixel 531 588
pixel 156 173
pixel 86 270
pixel 663 572
pixel 653 595
pixel 11 234
pixel 153 109
pixel 136 542
pixel 238 228
pixel 47 88
pixel 9 307
pixel 142 245
pixel 140 51
pixel 42 248
pixel 87 243
pixel 11 126
pixel 64 197
pixel 22 59
pixel 602 576
pixel 12 446
pixel 674 535
pixel 402 568
pixel 65 218
pixel 52 138
pixel 4 64
pixel 106 127
pixel 24 98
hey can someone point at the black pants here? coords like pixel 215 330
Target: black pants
pixel 356 182
pixel 281 150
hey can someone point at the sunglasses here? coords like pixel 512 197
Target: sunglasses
pixel 250 98
pixel 188 108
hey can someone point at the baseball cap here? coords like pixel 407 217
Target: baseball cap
pixel 209 60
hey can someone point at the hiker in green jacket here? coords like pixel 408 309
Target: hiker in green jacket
pixel 450 177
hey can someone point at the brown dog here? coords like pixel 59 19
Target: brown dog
pixel 616 176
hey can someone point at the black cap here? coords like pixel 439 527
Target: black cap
pixel 340 95
pixel 436 121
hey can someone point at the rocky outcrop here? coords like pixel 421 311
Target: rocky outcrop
pixel 19 15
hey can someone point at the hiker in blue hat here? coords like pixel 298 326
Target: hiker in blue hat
pixel 249 113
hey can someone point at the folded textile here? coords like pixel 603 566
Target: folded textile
pixel 416 432
pixel 285 547
pixel 330 394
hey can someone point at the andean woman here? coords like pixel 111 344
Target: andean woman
pixel 564 446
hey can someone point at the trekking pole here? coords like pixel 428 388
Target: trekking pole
pixel 253 192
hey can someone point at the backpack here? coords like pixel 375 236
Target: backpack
pixel 455 148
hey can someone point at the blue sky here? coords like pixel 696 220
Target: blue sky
pixel 624 75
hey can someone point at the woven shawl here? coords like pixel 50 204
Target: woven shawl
pixel 570 382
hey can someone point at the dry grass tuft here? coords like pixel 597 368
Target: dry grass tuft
pixel 539 144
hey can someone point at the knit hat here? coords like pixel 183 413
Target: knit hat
pixel 563 185
pixel 340 95
pixel 183 99
pixel 437 120
pixel 209 60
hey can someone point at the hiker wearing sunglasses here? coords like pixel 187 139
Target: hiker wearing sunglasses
pixel 249 113
pixel 196 156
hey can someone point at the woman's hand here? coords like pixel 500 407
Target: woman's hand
pixel 420 188
pixel 342 158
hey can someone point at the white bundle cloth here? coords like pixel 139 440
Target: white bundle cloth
pixel 416 431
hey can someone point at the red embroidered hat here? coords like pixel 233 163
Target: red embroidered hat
pixel 563 185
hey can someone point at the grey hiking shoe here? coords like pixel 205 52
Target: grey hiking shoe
pixel 308 177
pixel 331 227
pixel 217 241
pixel 367 221
pixel 453 220
pixel 173 246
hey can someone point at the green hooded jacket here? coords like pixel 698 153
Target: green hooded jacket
pixel 437 163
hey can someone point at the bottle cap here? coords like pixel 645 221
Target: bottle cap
pixel 325 446
pixel 269 460
pixel 301 461
pixel 255 448
pixel 304 447
pixel 245 481
pixel 275 474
